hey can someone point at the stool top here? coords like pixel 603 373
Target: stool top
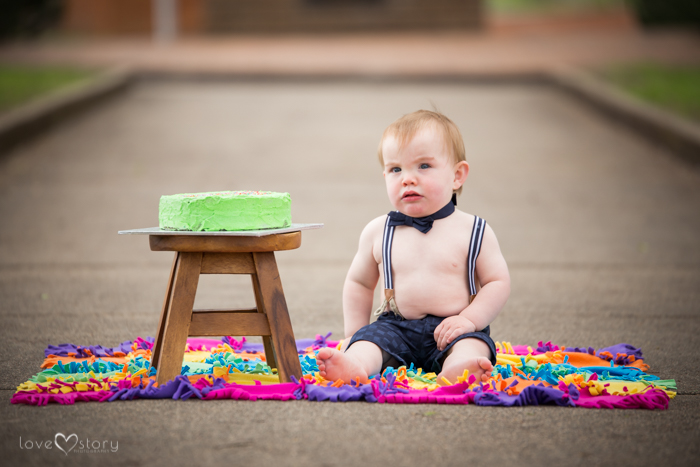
pixel 235 233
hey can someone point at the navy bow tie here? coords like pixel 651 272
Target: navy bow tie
pixel 423 224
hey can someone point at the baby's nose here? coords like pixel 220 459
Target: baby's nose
pixel 408 178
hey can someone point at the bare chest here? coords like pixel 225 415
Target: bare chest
pixel 443 250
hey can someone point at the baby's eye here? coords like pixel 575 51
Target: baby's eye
pixel 425 166
pixel 395 170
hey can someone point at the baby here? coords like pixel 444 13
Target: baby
pixel 433 259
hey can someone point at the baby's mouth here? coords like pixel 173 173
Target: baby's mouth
pixel 410 195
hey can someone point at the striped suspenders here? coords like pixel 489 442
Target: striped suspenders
pixel 389 301
pixel 387 240
pixel 474 250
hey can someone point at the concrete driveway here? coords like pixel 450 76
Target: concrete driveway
pixel 599 227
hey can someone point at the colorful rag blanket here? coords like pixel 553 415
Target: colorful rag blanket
pixel 611 377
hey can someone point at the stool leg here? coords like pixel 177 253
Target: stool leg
pixel 157 345
pixel 177 324
pixel 267 340
pixel 275 306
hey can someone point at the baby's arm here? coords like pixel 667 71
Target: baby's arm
pixel 361 281
pixel 493 276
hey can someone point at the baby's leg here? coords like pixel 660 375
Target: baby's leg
pixel 467 354
pixel 358 362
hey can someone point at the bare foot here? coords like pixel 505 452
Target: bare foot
pixel 480 367
pixel 334 365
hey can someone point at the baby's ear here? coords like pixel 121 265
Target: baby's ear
pixel 461 173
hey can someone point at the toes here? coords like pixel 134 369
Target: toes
pixel 485 364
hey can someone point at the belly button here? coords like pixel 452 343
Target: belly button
pixel 454 265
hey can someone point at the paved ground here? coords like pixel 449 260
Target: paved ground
pixel 599 227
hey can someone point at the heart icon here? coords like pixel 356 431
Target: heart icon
pixel 65 440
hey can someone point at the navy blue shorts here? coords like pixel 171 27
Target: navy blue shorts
pixel 413 340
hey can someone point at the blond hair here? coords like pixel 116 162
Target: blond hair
pixel 406 127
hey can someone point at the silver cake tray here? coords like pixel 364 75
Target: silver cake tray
pixel 234 233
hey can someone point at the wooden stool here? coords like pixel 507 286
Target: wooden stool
pixel 208 254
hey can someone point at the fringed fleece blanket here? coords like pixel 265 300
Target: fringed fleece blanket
pixel 547 374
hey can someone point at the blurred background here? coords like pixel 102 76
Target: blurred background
pixel 30 18
pixel 646 47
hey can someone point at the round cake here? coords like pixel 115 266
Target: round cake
pixel 225 210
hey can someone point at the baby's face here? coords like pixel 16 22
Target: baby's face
pixel 421 176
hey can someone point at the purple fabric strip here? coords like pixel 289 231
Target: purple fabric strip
pixel 621 352
pixel 531 395
pixel 63 350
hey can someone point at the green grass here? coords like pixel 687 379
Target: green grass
pixel 676 88
pixel 545 6
pixel 21 83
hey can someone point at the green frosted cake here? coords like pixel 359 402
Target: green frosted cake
pixel 226 210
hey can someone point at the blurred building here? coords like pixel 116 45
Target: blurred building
pixel 189 17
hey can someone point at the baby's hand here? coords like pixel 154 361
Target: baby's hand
pixel 451 328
